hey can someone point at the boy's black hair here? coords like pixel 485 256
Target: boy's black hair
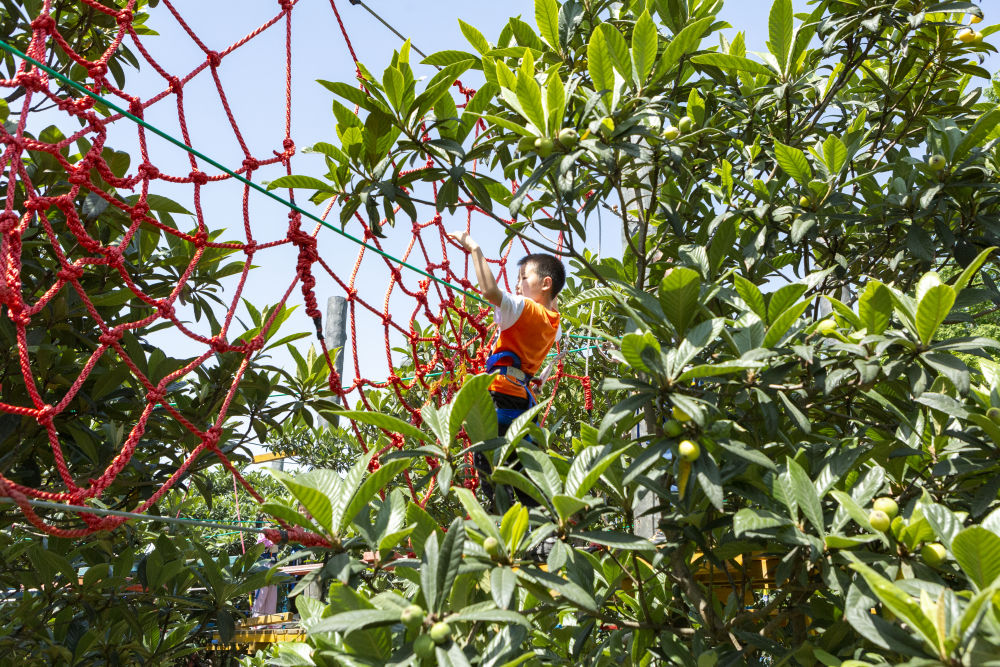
pixel 547 265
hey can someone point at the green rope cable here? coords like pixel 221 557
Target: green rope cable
pixel 254 186
pixel 132 515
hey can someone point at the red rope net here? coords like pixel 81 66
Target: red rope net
pixel 443 332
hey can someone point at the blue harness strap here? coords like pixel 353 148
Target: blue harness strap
pixel 512 371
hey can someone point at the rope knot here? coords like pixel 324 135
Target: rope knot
pixel 148 170
pixel 397 440
pixel 155 395
pixel 251 164
pixel 214 59
pixel 198 177
pixel 201 238
pixel 8 220
pixel 255 343
pixel 176 85
pixel 70 273
pixel 124 17
pixel 32 81
pixel 79 174
pixel 288 145
pixel 115 258
pixel 219 344
pixel 250 247
pixel 44 23
pixel 140 209
pixel 17 315
pixel 36 204
pixel 165 309
pixel 135 108
pixel 44 413
pixel 211 437
pixel 374 464
pixel 97 70
pixel 110 337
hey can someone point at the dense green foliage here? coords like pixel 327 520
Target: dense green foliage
pixel 844 173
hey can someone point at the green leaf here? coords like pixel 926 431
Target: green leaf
pixel 793 161
pixel 357 619
pixel 644 43
pixel 781 326
pixel 875 307
pixel 618 49
pixel 476 512
pixel 547 19
pixel 754 521
pixel 782 299
pixel 780 32
pixel 587 467
pixel 501 616
pixel 684 42
pixel 295 181
pixel 541 470
pixel 751 295
pixel 806 496
pixel 387 422
pixel 977 551
pixel 678 296
pixel 970 271
pixel 567 506
pixel 845 312
pixel 932 308
pixel 571 591
pixel 713 370
pixel 899 603
pixel 529 95
pixel 599 63
pixel 374 483
pixel 977 134
pixel 555 101
pixel 474 37
pixel 424 526
pixel 834 154
pixel 314 491
pixel 727 62
pixel 616 540
pixel 474 398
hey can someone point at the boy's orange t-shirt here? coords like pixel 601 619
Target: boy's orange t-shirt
pixel 530 337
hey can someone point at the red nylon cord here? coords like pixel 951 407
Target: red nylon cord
pixel 441 333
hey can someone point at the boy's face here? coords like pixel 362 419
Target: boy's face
pixel 532 286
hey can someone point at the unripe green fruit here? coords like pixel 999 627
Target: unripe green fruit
pixel 440 632
pixel 685 124
pixel 680 415
pixel 672 428
pixel 412 616
pixel 688 450
pixel 805 202
pixel 543 146
pixel 826 327
pixel 897 526
pixel 492 547
pixel 526 144
pixel 671 132
pixel 423 646
pixel 568 137
pixel 933 553
pixel 994 414
pixel 937 162
pixel 879 520
pixel 887 505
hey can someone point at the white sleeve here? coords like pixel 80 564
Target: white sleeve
pixel 510 308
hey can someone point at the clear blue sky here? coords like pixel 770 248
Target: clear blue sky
pixel 253 79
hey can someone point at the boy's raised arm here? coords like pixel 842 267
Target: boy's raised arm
pixel 487 283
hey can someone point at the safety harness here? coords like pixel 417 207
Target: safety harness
pixel 513 371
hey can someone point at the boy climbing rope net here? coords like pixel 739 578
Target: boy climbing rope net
pixel 529 326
